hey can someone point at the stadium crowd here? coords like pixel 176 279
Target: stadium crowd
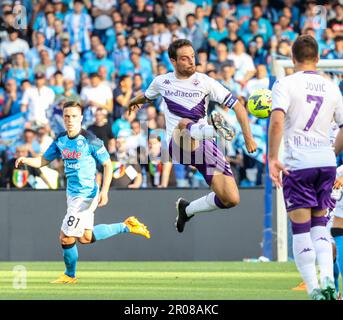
pixel 105 52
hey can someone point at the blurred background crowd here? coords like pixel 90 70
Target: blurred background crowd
pixel 105 52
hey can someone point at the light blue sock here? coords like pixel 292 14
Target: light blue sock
pixel 70 255
pixel 104 231
pixel 339 249
pixel 336 274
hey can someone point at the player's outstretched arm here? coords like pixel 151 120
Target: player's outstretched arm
pixel 106 183
pixel 32 162
pixel 275 133
pixel 137 102
pixel 243 120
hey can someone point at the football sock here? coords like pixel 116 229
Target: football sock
pixel 209 202
pixel 323 247
pixel 304 254
pixel 201 131
pixel 337 233
pixel 336 274
pixel 70 256
pixel 104 231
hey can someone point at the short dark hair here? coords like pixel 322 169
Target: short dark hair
pixel 177 44
pixel 72 104
pixel 305 48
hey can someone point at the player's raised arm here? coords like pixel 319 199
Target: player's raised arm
pixel 32 162
pixel 136 103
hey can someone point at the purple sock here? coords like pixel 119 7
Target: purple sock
pixel 298 228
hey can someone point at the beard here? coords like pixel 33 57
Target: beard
pixel 187 72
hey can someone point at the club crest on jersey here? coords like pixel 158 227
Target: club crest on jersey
pixel 166 81
pixel 69 154
pixel 195 82
pixel 80 143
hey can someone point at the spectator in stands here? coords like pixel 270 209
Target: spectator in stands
pixel 36 100
pixel 96 95
pixel 337 52
pixel 44 63
pixel 102 11
pixel 22 177
pixel 122 95
pixel 61 66
pixel 217 34
pixel 193 33
pixel 327 42
pixel 336 24
pixel 126 171
pixel 169 7
pixel 29 140
pixel 43 138
pixel 56 83
pixel 123 123
pixel 182 9
pixel 71 57
pixel 261 81
pixel 244 64
pixel 252 32
pixel 102 129
pixel 244 11
pixel 32 55
pixel 13 45
pixel 20 69
pixel 140 16
pixel 100 59
pixel 202 21
pixel 79 25
pixel 11 99
pixel 228 70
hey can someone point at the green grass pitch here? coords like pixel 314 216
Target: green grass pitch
pixel 156 280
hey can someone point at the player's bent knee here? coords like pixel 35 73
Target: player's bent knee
pixel 229 200
pixel 64 240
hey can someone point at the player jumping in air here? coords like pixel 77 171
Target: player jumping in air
pixel 302 109
pixel 186 94
pixel 80 150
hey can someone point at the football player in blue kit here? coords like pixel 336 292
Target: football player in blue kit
pixel 80 150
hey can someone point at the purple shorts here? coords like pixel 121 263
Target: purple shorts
pixel 207 158
pixel 309 188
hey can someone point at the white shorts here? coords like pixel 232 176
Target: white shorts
pixel 80 216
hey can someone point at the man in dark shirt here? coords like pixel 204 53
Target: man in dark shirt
pixel 22 177
pixel 103 130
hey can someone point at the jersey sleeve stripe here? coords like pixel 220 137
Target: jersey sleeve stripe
pixel 230 101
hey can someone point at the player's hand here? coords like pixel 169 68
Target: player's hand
pixel 20 161
pixel 251 145
pixel 103 199
pixel 133 107
pixel 338 183
pixel 275 168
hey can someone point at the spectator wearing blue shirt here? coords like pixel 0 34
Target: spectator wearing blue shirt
pixel 123 124
pixel 252 32
pixel 193 32
pixel 121 51
pixel 327 42
pixel 244 11
pixel 20 70
pixel 79 25
pixel 218 34
pixel 286 30
pixel 201 20
pixel 268 11
pixel 265 27
pixel 122 95
pixel 337 52
pixel 92 65
pixel 12 99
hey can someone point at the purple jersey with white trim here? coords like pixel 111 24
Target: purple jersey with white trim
pixel 310 102
pixel 187 98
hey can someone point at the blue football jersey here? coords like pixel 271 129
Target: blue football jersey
pixel 79 155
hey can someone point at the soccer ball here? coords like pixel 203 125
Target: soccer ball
pixel 260 103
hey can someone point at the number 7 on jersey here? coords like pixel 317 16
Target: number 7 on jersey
pixel 319 101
